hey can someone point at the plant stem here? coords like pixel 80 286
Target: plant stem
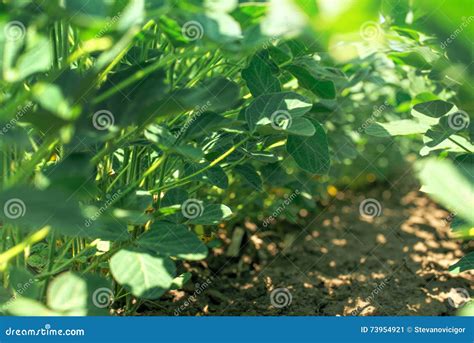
pixel 22 174
pixel 460 145
pixel 18 249
pixel 209 166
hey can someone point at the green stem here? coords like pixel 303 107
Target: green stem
pixel 460 145
pixel 209 166
pixel 27 168
pixel 138 76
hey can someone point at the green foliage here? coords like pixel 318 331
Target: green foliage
pixel 130 130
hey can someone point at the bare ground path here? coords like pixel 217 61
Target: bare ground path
pixel 341 264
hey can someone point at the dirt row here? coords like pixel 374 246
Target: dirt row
pixel 338 263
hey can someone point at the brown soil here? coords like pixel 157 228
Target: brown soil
pixel 338 264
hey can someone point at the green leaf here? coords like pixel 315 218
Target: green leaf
pixel 22 306
pixel 215 175
pixel 250 175
pixel 268 107
pixel 31 209
pixel 396 128
pixel 175 240
pixel 310 153
pixel 146 275
pixel 447 145
pixel 447 126
pixel 37 57
pixel 166 141
pixel 51 98
pixel 75 295
pixel 258 76
pixel 412 58
pixel 180 281
pixel 320 87
pixel 150 100
pixel 429 112
pixel 448 184
pixel 24 283
pixel 203 124
pixel 212 214
pixel 300 126
pixel 160 136
pixel 219 27
pixel 465 263
pixel 108 223
pixel 174 196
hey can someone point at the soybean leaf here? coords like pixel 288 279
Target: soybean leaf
pixel 421 57
pixel 160 136
pixel 300 126
pixel 166 141
pixel 258 76
pixel 448 184
pixel 429 112
pixel 51 97
pixel 203 125
pixel 446 127
pixel 171 239
pixel 270 107
pixel 396 128
pixel 76 295
pixel 310 153
pixel 31 209
pixel 24 283
pixel 320 87
pixel 145 274
pixel 212 214
pixel 465 263
pixel 108 223
pixel 28 307
pixel 174 196
pixel 215 175
pixel 250 175
pixel 221 28
pixel 447 145
pixel 36 57
pixel 181 280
